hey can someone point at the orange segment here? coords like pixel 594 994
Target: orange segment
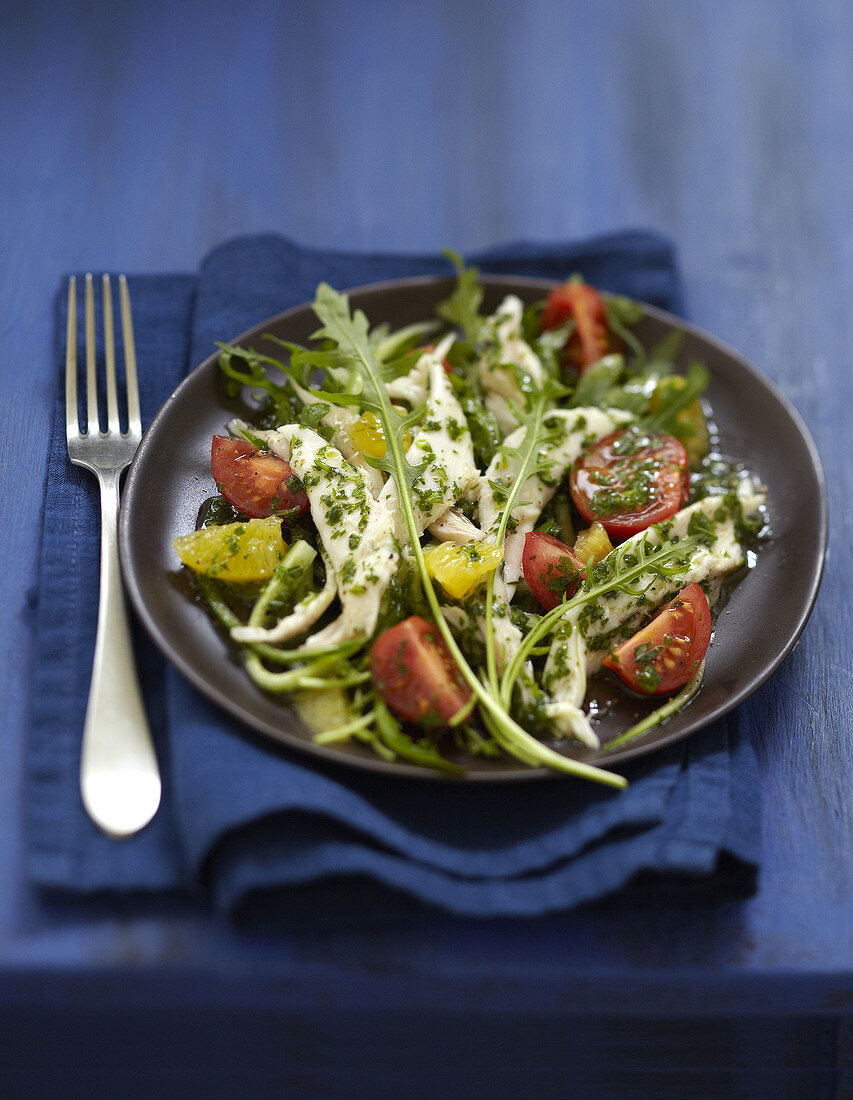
pixel 234 552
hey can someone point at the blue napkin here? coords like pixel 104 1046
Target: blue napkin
pixel 251 826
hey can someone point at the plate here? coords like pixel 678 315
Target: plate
pixel 170 478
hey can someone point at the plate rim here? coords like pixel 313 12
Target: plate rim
pixel 283 739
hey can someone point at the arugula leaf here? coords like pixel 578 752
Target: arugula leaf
pixel 246 367
pixel 666 350
pixel 312 416
pixel 597 381
pixel 422 751
pixel 462 308
pixel 350 334
pixel 388 346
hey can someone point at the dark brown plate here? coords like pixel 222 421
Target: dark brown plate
pixel 170 478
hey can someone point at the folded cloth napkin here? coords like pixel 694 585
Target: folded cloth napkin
pixel 246 822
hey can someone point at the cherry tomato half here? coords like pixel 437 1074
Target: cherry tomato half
pixel 415 674
pixel 663 656
pixel 254 481
pixel 630 480
pixel 551 568
pixel 585 306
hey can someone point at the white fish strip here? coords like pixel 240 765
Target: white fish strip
pixel 572 659
pixel 357 532
pixel 444 441
pixel 505 351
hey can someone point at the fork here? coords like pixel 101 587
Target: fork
pixel 119 778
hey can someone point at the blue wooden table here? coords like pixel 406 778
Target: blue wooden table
pixel 136 137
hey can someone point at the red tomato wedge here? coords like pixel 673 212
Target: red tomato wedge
pixel 585 306
pixel 662 657
pixel 551 568
pixel 630 480
pixel 254 481
pixel 415 674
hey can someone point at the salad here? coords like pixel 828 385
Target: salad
pixel 439 537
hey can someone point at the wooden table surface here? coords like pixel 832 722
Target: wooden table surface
pixel 137 136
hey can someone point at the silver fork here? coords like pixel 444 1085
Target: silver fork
pixel 119 778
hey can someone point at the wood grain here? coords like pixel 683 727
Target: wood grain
pixel 136 137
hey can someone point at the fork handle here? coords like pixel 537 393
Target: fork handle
pixel 119 778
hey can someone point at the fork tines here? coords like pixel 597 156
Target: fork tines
pixel 113 426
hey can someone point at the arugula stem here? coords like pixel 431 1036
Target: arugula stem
pixel 343 733
pixel 672 706
pixel 530 444
pixel 220 609
pixel 319 683
pixel 306 676
pixel 463 714
pixel 292 656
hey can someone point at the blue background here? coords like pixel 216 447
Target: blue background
pixel 136 137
